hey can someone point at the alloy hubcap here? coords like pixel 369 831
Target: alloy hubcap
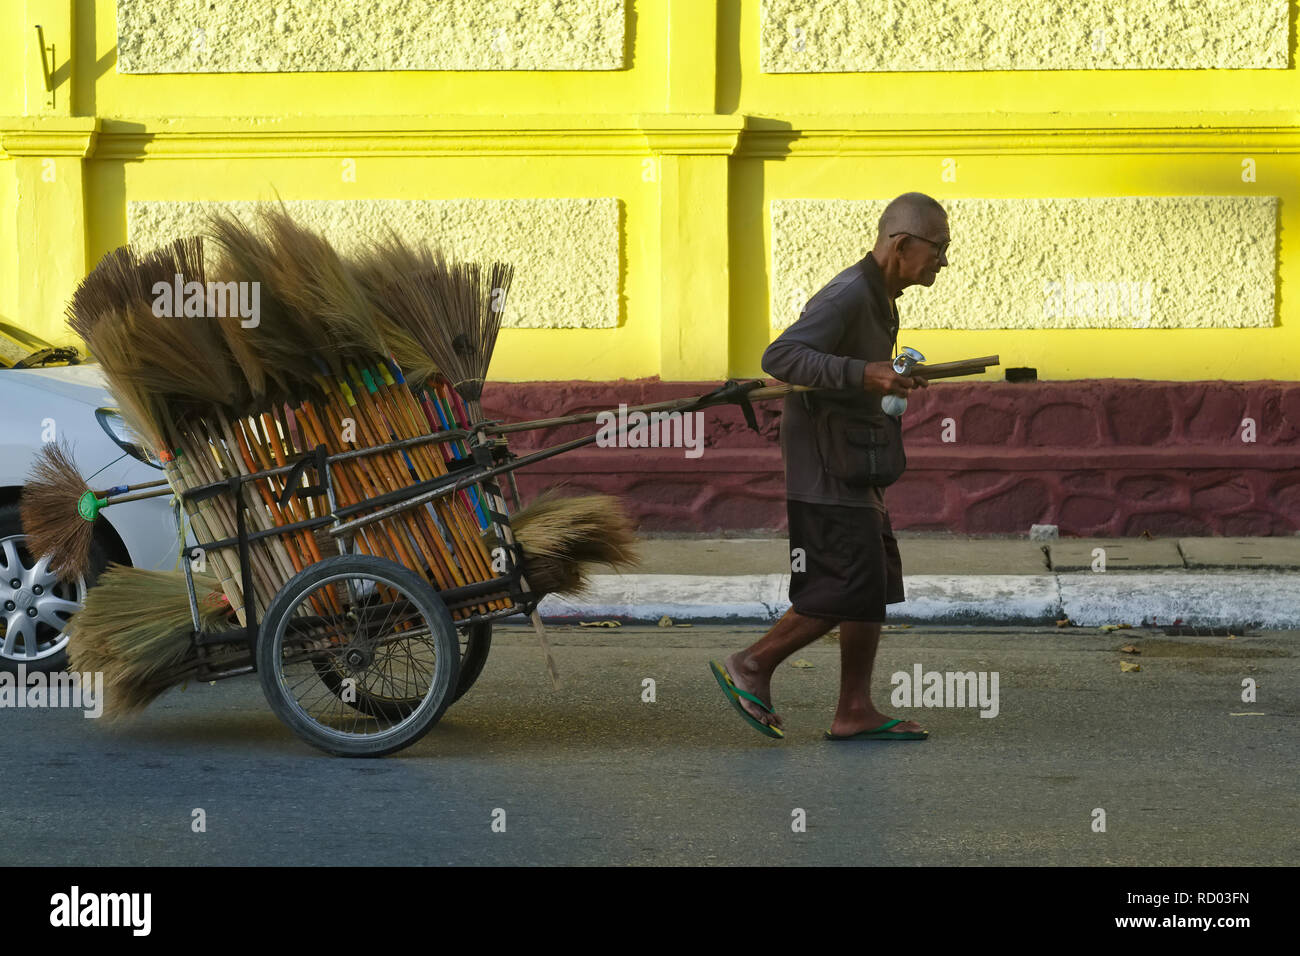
pixel 36 604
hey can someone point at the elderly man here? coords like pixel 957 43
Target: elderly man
pixel 845 566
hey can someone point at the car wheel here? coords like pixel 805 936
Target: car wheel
pixel 34 604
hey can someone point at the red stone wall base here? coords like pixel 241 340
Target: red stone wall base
pixel 1097 458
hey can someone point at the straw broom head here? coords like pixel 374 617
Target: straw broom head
pixel 562 538
pixel 275 354
pixel 315 308
pixel 472 322
pixel 310 277
pixel 135 628
pixel 407 285
pixel 110 287
pixel 51 521
pixel 159 367
pixel 452 310
pixel 96 314
pixel 375 269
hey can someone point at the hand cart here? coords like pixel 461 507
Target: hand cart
pixel 359 654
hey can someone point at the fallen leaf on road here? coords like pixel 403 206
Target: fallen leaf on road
pixel 1130 649
pixel 1127 667
pixel 802 663
pixel 600 623
pixel 1116 627
pixel 665 621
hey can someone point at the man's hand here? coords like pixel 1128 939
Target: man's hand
pixel 879 378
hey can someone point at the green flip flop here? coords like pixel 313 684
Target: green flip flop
pixel 883 732
pixel 734 694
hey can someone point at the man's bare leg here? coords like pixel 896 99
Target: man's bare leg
pixel 855 711
pixel 753 667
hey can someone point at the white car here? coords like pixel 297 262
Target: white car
pixel 68 402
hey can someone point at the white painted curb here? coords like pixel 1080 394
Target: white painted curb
pixel 1268 599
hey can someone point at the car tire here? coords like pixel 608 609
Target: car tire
pixel 16 563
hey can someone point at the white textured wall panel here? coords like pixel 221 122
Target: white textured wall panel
pixel 1123 262
pixel 565 251
pixel 858 36
pixel 195 36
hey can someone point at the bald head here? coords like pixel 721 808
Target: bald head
pixel 911 212
pixel 911 241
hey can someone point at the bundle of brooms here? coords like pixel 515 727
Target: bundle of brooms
pixel 391 345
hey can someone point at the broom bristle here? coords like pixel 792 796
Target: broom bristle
pixel 145 413
pixel 451 310
pixel 375 269
pixel 158 367
pixel 313 279
pixel 181 357
pixel 272 351
pixel 562 538
pixel 48 506
pixel 135 628
pixel 105 292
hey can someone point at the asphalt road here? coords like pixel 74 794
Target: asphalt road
pixel 591 774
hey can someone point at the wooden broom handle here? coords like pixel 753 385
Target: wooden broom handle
pixel 972 366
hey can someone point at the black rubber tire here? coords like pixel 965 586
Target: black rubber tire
pixel 442 631
pixel 11 524
pixel 478 641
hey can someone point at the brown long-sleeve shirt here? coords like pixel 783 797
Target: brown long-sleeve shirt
pixel 851 321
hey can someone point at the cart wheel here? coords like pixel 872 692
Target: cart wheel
pixel 374 622
pixel 475 642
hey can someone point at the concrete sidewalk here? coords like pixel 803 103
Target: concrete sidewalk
pixel 1199 582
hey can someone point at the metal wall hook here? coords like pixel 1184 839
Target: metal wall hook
pixel 47 67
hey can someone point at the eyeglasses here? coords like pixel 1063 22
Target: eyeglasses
pixel 940 247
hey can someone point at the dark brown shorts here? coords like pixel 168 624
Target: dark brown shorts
pixel 851 567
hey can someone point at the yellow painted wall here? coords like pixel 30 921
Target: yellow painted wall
pixel 701 149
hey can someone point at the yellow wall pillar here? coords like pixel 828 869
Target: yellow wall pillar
pixel 692 147
pixel 44 255
pixel 48 257
pixel 693 156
